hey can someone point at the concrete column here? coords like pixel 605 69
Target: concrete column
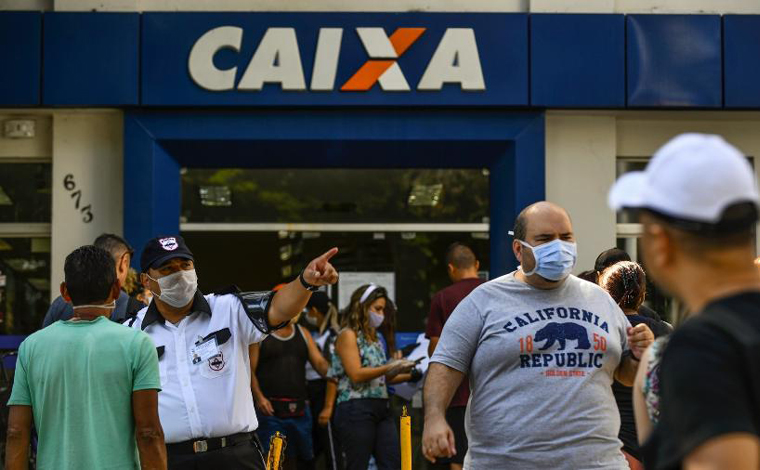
pixel 87 157
pixel 580 168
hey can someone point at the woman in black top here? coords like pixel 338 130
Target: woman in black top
pixel 626 283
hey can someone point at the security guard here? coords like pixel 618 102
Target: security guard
pixel 205 404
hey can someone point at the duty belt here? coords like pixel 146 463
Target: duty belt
pixel 198 446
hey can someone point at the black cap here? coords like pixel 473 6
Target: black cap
pixel 161 249
pixel 320 301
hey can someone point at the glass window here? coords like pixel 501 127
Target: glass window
pixel 24 283
pixel 25 192
pixel 261 260
pixel 335 195
pixel 625 165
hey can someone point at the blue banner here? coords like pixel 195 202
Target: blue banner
pixel 327 59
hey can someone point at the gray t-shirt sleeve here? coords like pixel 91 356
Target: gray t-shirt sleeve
pixel 460 337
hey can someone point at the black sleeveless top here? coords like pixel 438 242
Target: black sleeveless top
pixel 282 366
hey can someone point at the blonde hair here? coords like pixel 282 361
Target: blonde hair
pixel 132 283
pixel 331 319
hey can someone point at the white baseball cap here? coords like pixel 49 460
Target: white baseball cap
pixel 694 177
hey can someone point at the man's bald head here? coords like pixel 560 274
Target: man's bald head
pixel 542 210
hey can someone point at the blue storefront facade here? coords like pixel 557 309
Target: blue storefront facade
pixel 365 90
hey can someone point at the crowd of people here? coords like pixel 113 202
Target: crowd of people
pixel 535 369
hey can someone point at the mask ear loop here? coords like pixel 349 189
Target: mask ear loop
pixel 533 271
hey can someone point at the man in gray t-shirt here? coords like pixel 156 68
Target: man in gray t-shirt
pixel 541 349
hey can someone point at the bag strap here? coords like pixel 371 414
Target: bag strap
pixel 256 306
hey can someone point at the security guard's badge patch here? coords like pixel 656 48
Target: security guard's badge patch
pixel 205 351
pixel 216 363
pixel 168 244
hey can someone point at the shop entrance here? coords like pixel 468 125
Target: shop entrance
pixel 393 227
pixel 258 193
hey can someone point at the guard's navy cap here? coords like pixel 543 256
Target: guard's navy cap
pixel 161 249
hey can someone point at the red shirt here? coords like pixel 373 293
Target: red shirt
pixel 444 302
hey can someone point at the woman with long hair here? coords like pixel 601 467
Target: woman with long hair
pixel 362 416
pixel 625 281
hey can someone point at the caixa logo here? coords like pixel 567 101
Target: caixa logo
pixel 278 60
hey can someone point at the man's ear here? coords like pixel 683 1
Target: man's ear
pixel 477 265
pixel 517 250
pixel 65 293
pixel 144 280
pixel 115 290
pixel 450 268
pixel 125 263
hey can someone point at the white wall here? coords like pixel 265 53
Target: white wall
pixel 582 148
pixel 37 147
pixel 89 146
pixel 562 6
pixel 580 167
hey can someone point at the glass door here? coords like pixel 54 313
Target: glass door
pixel 258 228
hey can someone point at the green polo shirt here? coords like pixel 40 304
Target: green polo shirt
pixel 78 377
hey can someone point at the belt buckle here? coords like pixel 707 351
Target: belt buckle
pixel 200 446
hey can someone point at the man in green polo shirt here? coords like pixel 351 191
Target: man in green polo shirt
pixel 89 385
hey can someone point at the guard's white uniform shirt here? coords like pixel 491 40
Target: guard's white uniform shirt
pixel 211 398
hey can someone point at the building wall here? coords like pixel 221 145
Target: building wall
pixel 580 167
pixel 582 149
pixel 536 6
pixel 89 146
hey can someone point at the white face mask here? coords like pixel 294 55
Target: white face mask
pixel 313 321
pixel 109 306
pixel 177 289
pixel 375 319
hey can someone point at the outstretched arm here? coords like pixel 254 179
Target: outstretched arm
pixel 441 383
pixel 291 299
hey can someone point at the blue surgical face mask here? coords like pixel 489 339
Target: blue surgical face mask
pixel 554 260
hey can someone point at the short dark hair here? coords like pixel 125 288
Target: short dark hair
pixel 460 256
pixel 89 274
pixel 113 244
pixel 520 230
pixel 609 257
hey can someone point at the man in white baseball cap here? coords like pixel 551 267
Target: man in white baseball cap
pixel 698 202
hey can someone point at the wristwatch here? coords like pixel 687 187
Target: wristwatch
pixel 306 285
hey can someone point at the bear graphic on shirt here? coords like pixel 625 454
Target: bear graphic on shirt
pixel 562 332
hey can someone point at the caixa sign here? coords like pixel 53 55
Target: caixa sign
pixel 354 59
pixel 277 59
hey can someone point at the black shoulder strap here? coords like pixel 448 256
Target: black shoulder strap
pixel 256 305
